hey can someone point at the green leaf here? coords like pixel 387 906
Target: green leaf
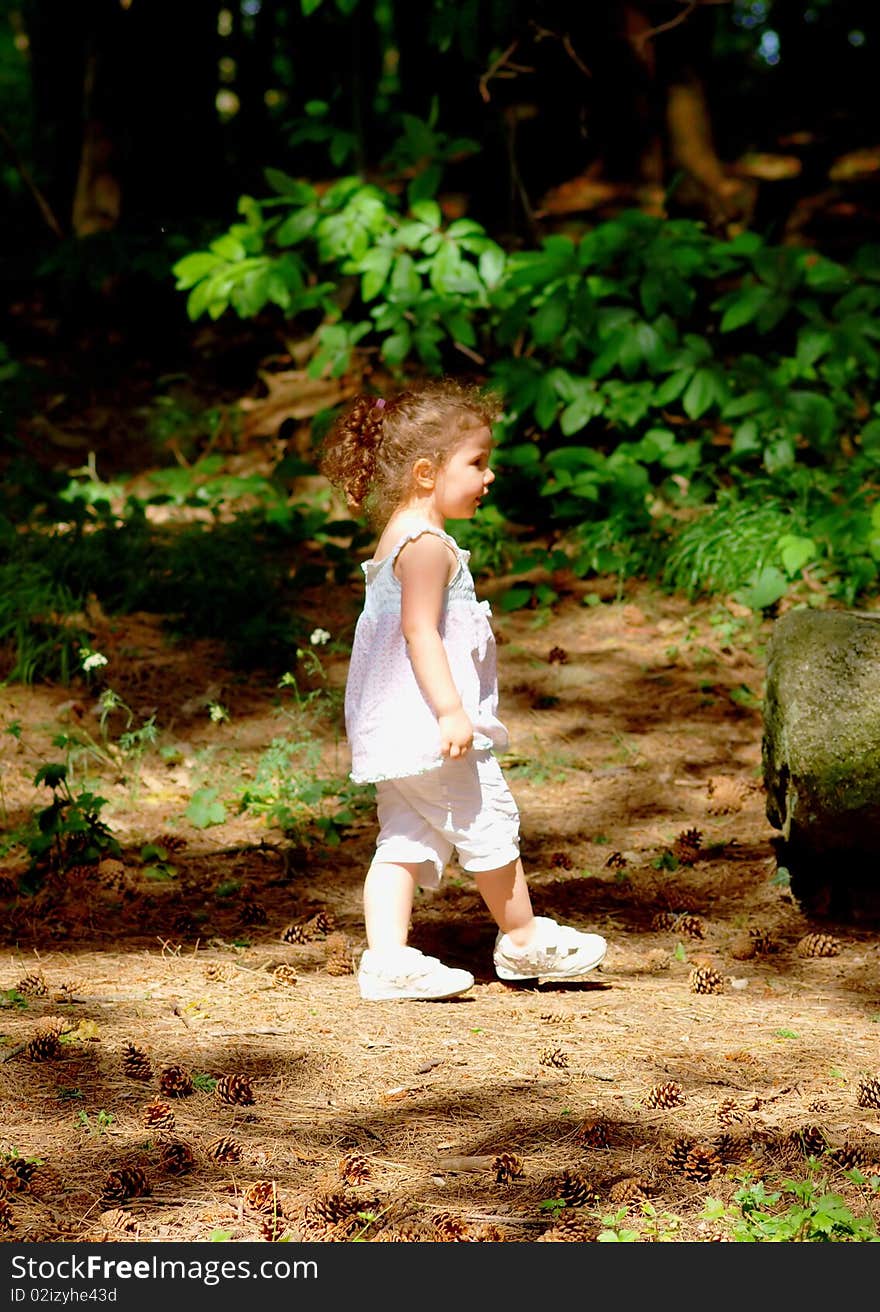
pixel 515 598
pixel 702 391
pixel 765 589
pixel 551 318
pixel 192 268
pixel 51 775
pixel 745 440
pixel 376 265
pixel 743 307
pixel 229 248
pixel 491 266
pixel 297 226
pixel 428 212
pixel 812 344
pixel 795 552
pixel 204 810
pixel 290 188
pixel 672 387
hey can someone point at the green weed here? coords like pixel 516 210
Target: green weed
pixel 812 1215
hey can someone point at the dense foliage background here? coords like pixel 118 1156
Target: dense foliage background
pixel 649 224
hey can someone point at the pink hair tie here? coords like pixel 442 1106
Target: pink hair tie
pixel 379 403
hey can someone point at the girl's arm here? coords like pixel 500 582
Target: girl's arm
pixel 423 569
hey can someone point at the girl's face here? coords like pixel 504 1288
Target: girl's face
pixel 465 477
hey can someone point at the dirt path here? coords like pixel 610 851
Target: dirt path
pixel 635 732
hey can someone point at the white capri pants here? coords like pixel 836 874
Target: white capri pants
pixel 463 805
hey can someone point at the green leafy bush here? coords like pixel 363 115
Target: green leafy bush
pixel 648 368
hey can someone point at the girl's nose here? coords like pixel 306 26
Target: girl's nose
pixel 489 478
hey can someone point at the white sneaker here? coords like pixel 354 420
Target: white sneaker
pixel 555 952
pixel 408 973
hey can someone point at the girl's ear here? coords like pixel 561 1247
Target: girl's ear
pixel 424 472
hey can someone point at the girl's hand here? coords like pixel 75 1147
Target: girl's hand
pixel 456 733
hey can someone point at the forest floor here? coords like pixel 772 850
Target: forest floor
pixel 630 1097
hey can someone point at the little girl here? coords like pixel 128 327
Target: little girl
pixel 422 693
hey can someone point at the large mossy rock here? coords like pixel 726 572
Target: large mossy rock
pixel 821 756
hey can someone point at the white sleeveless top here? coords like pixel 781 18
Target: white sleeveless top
pixel 390 725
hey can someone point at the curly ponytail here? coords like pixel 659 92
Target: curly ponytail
pixel 348 454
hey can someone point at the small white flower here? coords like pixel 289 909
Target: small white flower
pixel 319 637
pixel 92 660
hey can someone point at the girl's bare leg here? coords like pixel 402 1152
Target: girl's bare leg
pixel 506 894
pixel 389 889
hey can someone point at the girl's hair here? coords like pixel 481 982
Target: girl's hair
pixel 370 451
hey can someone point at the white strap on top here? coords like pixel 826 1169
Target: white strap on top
pixel 417 533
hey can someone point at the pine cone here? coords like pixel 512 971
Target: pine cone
pixel 687 846
pixel 176 1158
pixel 127 1182
pixel 175 1082
pixel 487 1234
pixel 32 985
pixel 507 1166
pixel 678 1153
pixel 818 945
pixel 332 1207
pixel 320 922
pixel 630 1190
pixel 763 940
pixel 570 1228
pixel 43 1047
pixel 136 1064
pixel 702 1163
pixel 262 1196
pixel 452 1228
pixel 118 1219
pixel 553 1057
pixel 594 1134
pixel 576 1191
pixel 273 1228
pixel 234 1089
pixel 354 1170
pixel 56 1025
pixel 730 1113
pixel 616 861
pixel 171 842
pixel 405 1234
pixel 561 861
pixel 158 1115
pixel 339 956
pixel 664 920
pixel 23 1171
pixel 252 912
pixel 819 1105
pixel 688 923
pixel 706 979
pixel 284 975
pixel 224 1149
pixel 669 1094
pixel 868 1094
pixel 219 972
pixel 7 1220
pixel 850 1157
pixel 297 932
pixel 810 1139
